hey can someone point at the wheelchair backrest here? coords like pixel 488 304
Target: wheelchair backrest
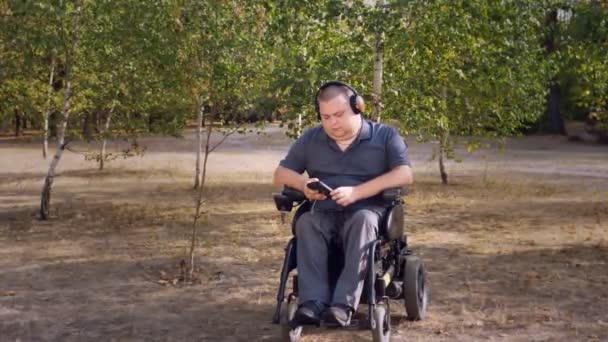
pixel 392 226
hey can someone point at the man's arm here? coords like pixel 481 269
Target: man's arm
pixel 286 177
pixel 289 172
pixel 398 177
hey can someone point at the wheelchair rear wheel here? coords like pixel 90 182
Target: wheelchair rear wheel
pixel 382 330
pixel 414 288
pixel 287 332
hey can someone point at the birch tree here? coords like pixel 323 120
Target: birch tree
pixel 130 69
pixel 29 35
pixel 467 68
pixel 378 60
pixel 73 14
pixel 311 43
pixel 584 45
pixel 48 108
pixel 221 59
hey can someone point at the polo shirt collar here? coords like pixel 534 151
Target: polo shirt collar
pixel 366 130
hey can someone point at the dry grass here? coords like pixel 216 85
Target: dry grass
pixel 514 259
pixel 509 257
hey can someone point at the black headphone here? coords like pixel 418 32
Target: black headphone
pixel 357 104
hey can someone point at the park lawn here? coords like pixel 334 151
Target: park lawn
pixel 510 256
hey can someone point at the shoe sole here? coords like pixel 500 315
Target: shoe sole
pixel 333 320
pixel 304 320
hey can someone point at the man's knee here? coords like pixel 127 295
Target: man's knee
pixel 305 226
pixel 367 219
pixel 361 226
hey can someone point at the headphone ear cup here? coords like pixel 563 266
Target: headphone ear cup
pixel 360 104
pixel 357 104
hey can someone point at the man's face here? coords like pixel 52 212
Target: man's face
pixel 337 118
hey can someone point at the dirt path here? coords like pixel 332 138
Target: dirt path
pixel 516 249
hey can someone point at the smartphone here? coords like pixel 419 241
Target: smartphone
pixel 320 187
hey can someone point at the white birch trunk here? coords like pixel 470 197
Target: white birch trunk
pixel 378 71
pixel 65 112
pixel 443 143
pixel 299 132
pixel 199 199
pixel 45 197
pixel 199 133
pixel 47 112
pixel 106 128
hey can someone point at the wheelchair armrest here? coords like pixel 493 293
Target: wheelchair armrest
pixel 285 199
pixel 393 194
pixel 295 195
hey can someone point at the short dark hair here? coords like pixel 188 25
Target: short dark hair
pixel 332 91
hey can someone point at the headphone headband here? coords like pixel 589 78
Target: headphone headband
pixel 355 100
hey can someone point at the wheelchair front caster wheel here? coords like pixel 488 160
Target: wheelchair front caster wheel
pixel 382 331
pixel 414 288
pixel 289 333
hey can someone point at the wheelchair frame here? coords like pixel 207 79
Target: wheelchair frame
pixel 391 265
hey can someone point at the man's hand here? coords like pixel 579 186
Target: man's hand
pixel 345 195
pixel 312 195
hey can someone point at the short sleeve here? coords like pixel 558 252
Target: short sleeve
pixel 296 157
pixel 396 150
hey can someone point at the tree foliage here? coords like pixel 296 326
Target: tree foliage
pixel 459 68
pixel 468 68
pixel 584 64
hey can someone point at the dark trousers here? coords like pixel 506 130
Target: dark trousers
pixel 314 231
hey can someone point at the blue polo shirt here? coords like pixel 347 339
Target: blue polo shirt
pixel 376 150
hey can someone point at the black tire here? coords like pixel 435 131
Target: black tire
pixel 382 331
pixel 414 288
pixel 287 332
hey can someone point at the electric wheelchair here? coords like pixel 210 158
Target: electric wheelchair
pixel 393 271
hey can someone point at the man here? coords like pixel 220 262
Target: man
pixel 358 159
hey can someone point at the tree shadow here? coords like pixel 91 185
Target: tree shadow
pixel 91 272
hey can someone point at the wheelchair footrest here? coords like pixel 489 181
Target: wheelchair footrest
pixel 355 324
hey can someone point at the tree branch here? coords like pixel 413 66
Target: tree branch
pixel 223 139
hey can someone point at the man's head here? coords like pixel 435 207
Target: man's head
pixel 338 107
